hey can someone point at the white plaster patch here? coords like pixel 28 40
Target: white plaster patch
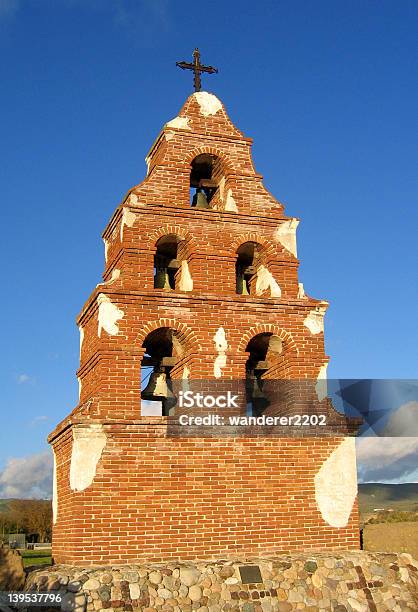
pixel 301 291
pixel 186 281
pixel 179 122
pixel 321 386
pixel 178 348
pixel 267 282
pixel 222 188
pixel 220 340
pixel 108 315
pixel 81 330
pixel 219 364
pixel 221 345
pixel 314 321
pixel 132 200
pixel 169 136
pixel 286 235
pixel 54 491
pixel 336 484
pixel 148 162
pixel 80 384
pixel 230 202
pixel 106 246
pixel 185 377
pixel 209 104
pixel 114 276
pixel 128 218
pixel 88 445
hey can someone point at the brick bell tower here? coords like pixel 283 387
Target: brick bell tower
pixel 200 282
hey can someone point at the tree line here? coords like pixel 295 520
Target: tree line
pixel 32 517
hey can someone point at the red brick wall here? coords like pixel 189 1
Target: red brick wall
pixel 156 497
pixel 161 498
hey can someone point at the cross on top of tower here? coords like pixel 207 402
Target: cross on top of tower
pixel 197 68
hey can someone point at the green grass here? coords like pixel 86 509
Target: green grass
pixel 36 557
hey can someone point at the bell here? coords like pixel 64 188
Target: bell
pixel 159 389
pixel 241 284
pixel 255 393
pixel 161 279
pixel 200 200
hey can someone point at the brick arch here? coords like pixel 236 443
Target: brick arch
pixel 268 248
pixel 263 328
pixel 177 230
pixel 213 151
pixel 185 334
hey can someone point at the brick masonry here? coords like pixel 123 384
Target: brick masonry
pixel 124 490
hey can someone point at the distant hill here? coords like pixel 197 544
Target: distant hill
pixel 396 496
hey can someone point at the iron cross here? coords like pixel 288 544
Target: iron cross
pixel 197 68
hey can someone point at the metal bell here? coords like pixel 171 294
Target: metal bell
pixel 200 200
pixel 255 393
pixel 161 279
pixel 241 285
pixel 157 388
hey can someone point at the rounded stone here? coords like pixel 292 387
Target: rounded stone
pixel 73 587
pixel 134 591
pixel 91 585
pixel 168 582
pixel 53 584
pixel 164 593
pixel 195 592
pixel 155 578
pixel 227 571
pixel 106 578
pixel 316 580
pixel 310 567
pixel 104 593
pixel 189 576
pixel 80 600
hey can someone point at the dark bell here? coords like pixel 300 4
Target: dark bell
pixel 256 395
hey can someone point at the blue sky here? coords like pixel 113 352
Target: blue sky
pixel 328 91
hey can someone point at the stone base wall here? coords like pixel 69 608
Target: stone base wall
pixel 346 582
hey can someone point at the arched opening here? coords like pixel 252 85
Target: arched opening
pixel 248 259
pixel 163 350
pixel 166 262
pixel 265 354
pixel 205 176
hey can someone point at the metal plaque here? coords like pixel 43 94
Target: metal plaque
pixel 250 574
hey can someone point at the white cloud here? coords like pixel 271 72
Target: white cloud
pixel 393 457
pixel 37 420
pixel 23 378
pixel 403 421
pixel 27 477
pixel 387 459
